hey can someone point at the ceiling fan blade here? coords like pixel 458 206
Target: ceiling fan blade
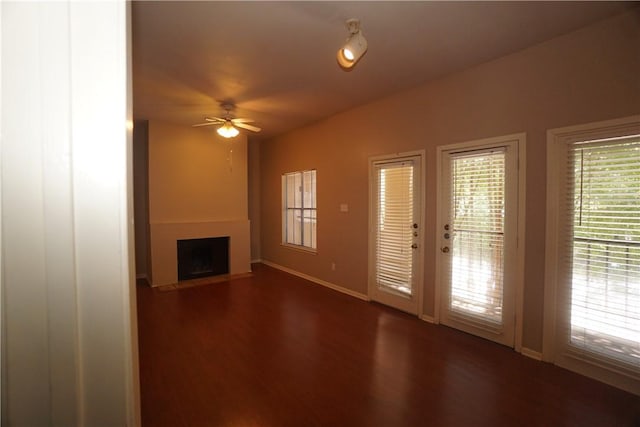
pixel 205 124
pixel 214 119
pixel 248 127
pixel 242 121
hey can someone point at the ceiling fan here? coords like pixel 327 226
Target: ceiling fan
pixel 229 125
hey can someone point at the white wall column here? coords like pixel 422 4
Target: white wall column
pixel 68 292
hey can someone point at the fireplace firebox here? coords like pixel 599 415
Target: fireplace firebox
pixel 203 257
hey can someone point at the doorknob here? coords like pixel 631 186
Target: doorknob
pixel 445 249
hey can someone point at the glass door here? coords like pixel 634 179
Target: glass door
pixel 477 242
pixel 396 232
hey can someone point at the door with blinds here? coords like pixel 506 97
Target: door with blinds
pixel 395 237
pixel 477 240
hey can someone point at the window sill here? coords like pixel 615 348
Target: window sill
pixel 299 248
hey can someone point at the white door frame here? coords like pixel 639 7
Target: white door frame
pixel 419 268
pixel 520 142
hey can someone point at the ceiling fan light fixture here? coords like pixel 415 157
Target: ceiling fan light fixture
pixel 227 125
pixel 356 46
pixel 227 130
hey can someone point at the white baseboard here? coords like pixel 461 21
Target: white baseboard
pixel 428 319
pixel 531 353
pixel 318 281
pixel 256 261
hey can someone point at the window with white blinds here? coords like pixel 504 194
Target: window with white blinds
pixel 603 207
pixel 478 208
pixel 394 219
pixel 299 216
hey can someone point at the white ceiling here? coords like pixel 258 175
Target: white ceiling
pixel 277 60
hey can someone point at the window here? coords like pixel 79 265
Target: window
pixel 299 216
pixel 596 216
pixel 605 269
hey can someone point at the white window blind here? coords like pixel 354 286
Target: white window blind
pixel 477 264
pixel 299 216
pixel 394 234
pixel 603 207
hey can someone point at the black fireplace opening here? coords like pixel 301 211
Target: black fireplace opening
pixel 203 257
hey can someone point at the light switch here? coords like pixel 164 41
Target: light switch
pixel 344 207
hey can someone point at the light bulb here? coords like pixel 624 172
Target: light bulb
pixel 348 55
pixel 227 130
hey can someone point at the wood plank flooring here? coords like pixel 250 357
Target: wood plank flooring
pixel 276 350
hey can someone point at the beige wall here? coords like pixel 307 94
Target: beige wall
pixel 585 76
pixel 254 197
pixel 197 188
pixel 196 175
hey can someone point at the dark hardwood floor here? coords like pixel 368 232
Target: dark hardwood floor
pixel 276 350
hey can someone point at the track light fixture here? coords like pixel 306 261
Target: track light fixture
pixel 354 48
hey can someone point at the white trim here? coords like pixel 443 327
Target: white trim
pixel 300 248
pixel 437 242
pixel 479 143
pixel 428 319
pixel 256 261
pixel 318 281
pixel 521 238
pixel 604 372
pixel 423 225
pixel 520 140
pixel 551 250
pixel 603 129
pixel 399 155
pixel 536 355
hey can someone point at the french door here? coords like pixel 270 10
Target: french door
pixel 477 238
pixel 395 238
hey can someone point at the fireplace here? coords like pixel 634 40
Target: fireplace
pixel 203 257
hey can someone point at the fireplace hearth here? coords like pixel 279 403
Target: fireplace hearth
pixel 203 257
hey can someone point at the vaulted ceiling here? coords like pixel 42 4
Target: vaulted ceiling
pixel 277 60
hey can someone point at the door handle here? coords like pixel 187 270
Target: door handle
pixel 445 249
pixel 414 246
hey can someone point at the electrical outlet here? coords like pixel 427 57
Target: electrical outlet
pixel 333 266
